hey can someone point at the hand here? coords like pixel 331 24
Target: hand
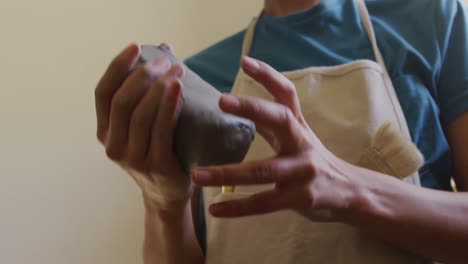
pixel 136 116
pixel 308 178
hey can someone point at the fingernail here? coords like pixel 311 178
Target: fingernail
pixel 230 102
pixel 175 89
pixel 177 70
pixel 201 175
pixel 132 50
pixel 251 64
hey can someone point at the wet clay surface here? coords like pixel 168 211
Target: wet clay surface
pixel 204 134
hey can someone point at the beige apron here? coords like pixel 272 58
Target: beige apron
pixel 345 106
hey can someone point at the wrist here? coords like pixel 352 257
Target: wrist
pixel 351 190
pixel 169 211
pixel 367 201
pixel 351 193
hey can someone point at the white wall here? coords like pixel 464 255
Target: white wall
pixel 61 201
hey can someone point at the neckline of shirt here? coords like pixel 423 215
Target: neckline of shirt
pixel 323 8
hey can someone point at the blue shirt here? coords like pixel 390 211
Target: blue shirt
pixel 423 42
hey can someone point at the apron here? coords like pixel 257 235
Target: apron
pixel 345 106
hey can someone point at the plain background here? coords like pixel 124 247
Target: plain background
pixel 61 200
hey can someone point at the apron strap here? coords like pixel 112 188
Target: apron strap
pixel 248 38
pixel 367 22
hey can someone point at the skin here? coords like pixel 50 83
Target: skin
pixel 285 7
pixel 136 115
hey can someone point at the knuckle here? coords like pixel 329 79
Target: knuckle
pixel 101 135
pixel 122 103
pixel 263 174
pixel 310 169
pixel 308 197
pixel 252 106
pixel 100 94
pixel 113 153
pixel 286 116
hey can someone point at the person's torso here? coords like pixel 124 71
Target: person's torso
pixel 354 101
pixel 332 34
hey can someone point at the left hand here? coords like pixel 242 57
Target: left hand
pixel 308 178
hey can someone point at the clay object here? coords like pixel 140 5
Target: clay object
pixel 204 135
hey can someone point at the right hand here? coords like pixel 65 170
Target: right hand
pixel 136 117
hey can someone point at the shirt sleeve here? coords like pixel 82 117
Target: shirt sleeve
pixel 452 83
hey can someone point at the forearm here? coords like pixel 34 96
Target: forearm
pixel 170 237
pixel 429 223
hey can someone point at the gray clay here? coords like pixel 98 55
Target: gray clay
pixel 204 134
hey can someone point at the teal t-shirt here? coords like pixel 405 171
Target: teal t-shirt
pixel 423 42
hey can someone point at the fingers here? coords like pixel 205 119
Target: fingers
pixel 124 103
pixel 109 83
pixel 163 128
pixel 277 84
pixel 261 203
pixel 279 171
pixel 269 117
pixel 144 115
